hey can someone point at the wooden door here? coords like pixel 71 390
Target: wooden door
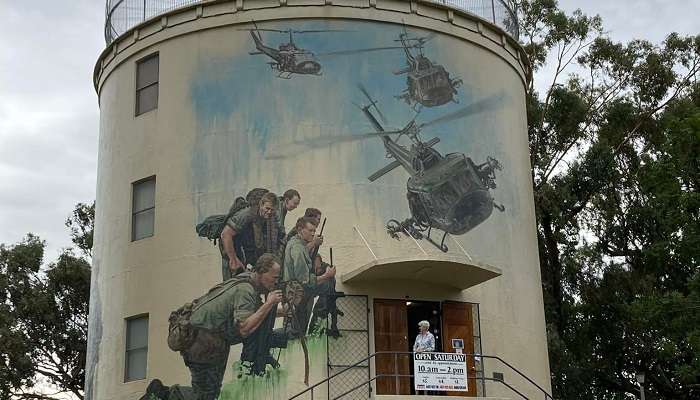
pixel 457 323
pixel 390 334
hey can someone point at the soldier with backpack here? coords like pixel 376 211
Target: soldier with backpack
pixel 204 330
pixel 249 232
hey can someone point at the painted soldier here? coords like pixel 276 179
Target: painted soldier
pixel 250 232
pixel 231 313
pixel 288 202
pixel 298 267
pixel 325 306
pixel 315 215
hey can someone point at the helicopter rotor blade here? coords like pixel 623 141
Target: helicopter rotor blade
pixel 324 141
pixel 474 108
pixel 320 30
pixel 357 51
pixel 420 39
pixel 297 147
pixel 373 102
pixel 365 92
pixel 427 38
pixel 263 30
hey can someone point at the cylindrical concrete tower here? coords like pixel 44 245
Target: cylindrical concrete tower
pixel 402 122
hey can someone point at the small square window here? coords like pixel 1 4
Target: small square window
pixel 136 348
pixel 147 84
pixel 143 208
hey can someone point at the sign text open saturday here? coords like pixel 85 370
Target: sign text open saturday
pixel 440 371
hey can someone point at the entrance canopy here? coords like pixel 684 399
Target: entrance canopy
pixel 458 272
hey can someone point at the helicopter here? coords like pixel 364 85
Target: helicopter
pixel 429 84
pixel 448 192
pixel 288 59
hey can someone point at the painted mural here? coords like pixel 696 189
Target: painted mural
pixel 378 114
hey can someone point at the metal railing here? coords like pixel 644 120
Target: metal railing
pixel 310 391
pixel 122 15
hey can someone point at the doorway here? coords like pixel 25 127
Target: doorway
pixel 417 311
pixel 396 328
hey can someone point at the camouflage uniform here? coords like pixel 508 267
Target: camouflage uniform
pixel 326 305
pixel 217 322
pixel 254 237
pixel 298 267
pixel 281 212
pixel 217 325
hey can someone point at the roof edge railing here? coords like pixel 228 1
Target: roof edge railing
pixel 123 15
pixel 364 362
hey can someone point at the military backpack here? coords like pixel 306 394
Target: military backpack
pixel 213 225
pixel 181 333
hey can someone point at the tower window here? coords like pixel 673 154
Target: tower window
pixel 143 208
pixel 147 84
pixel 136 348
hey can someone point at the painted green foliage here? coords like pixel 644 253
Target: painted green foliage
pixel 275 384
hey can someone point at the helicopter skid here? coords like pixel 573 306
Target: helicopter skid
pixel 410 228
pixel 442 246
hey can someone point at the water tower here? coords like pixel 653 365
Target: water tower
pixel 402 122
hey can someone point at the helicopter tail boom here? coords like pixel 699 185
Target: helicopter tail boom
pixel 260 46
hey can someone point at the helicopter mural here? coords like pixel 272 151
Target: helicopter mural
pixel 448 192
pixel 288 59
pixel 429 84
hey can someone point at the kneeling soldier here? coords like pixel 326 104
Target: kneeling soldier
pixel 231 313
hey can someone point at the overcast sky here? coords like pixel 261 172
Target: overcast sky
pixel 49 118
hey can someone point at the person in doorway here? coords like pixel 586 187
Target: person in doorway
pixel 425 341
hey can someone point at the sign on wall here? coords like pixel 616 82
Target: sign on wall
pixel 440 371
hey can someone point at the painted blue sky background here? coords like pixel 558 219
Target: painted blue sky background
pixel 245 112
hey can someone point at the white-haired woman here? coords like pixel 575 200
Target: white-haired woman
pixel 425 341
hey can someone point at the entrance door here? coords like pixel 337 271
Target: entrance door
pixel 390 335
pixel 457 323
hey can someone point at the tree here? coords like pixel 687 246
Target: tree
pixel 81 224
pixel 43 315
pixel 614 149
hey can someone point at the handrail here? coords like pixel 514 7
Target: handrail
pixel 311 388
pixel 123 15
pixel 408 376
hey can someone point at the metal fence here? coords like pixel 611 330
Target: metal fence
pixel 398 380
pixel 122 15
pixel 350 347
